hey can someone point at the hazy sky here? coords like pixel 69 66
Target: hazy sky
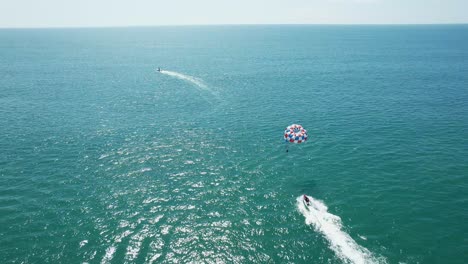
pixel 86 13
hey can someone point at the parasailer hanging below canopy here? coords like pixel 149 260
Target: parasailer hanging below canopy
pixel 295 134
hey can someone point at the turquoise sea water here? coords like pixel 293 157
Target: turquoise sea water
pixel 105 160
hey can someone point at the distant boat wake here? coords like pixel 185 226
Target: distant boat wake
pixel 330 226
pixel 193 80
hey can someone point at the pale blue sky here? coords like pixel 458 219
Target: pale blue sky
pixel 89 13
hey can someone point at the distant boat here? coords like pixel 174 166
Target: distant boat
pixel 159 69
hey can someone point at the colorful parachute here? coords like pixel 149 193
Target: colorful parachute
pixel 295 134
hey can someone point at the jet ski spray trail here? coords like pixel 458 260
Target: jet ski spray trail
pixel 193 80
pixel 330 226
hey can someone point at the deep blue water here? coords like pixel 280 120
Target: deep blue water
pixel 105 160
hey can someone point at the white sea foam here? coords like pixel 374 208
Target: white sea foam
pixel 109 255
pixel 84 242
pixel 198 82
pixel 330 226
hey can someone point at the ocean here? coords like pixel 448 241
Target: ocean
pixel 103 159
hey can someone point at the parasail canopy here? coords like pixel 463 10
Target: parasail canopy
pixel 295 134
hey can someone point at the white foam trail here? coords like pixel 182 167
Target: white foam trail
pixel 330 226
pixel 198 82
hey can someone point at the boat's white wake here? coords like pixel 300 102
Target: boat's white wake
pixel 196 81
pixel 330 226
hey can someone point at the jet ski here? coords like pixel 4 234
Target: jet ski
pixel 306 201
pixel 159 69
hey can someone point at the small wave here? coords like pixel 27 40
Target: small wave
pixel 109 255
pixel 198 82
pixel 330 226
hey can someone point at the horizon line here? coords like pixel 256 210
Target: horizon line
pixel 239 24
